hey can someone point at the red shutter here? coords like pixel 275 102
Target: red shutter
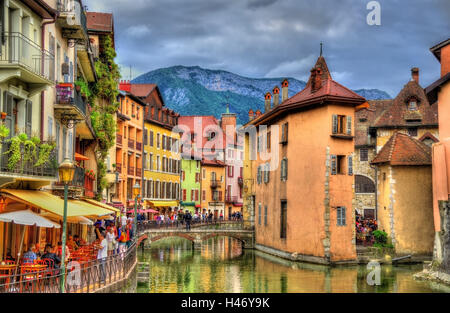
pixel 232 171
pixel 196 195
pixel 203 195
pixel 192 194
pixel 220 195
pixel 184 194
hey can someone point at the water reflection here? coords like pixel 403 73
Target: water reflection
pixel 223 266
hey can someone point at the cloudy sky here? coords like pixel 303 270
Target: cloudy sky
pixel 277 38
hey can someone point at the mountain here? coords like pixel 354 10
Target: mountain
pixel 197 91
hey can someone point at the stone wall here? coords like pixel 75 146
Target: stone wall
pixel 364 200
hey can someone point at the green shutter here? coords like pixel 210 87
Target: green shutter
pixel 8 108
pixel 333 165
pixel 335 124
pixel 350 165
pixel 349 125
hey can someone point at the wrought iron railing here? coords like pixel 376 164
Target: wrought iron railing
pixel 20 50
pixel 66 94
pixel 195 223
pixel 139 146
pixel 131 143
pixel 28 168
pixel 138 171
pixel 215 183
pixel 131 170
pixel 119 167
pixel 80 277
pixel 67 7
pixel 119 139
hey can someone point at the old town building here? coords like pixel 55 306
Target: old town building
pixel 304 187
pixel 405 194
pixel 129 145
pixel 162 161
pixel 438 93
pixel 190 182
pixel 213 187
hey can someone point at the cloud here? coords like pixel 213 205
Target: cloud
pixel 267 37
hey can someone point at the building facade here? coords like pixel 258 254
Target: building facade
pixel 190 183
pixel 405 194
pixel 213 187
pixel 304 189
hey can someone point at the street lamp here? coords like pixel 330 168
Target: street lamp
pixel 136 191
pixel 66 172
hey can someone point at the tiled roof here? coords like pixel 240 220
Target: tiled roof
pixel 402 149
pixel 369 115
pixel 212 162
pixel 97 21
pixel 398 113
pixel 142 90
pixel 329 90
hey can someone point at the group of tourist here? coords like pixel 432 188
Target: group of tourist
pixel 364 230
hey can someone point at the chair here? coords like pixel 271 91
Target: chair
pixel 5 275
pixel 29 277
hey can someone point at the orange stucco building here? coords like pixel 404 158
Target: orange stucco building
pixel 129 145
pixel 303 194
pixel 439 92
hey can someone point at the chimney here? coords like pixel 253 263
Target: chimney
pixel 276 96
pixel 415 74
pixel 251 115
pixel 445 60
pixel 284 90
pixel 125 85
pixel 268 98
pixel 257 113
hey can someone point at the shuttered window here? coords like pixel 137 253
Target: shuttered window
pixel 265 215
pixel 284 133
pixel 258 175
pixel 350 165
pixel 151 139
pixel 334 129
pixel 145 137
pixel 333 165
pixel 259 214
pixel 349 125
pixel 29 118
pixel 8 108
pixel 284 169
pixel 341 221
pixel 266 173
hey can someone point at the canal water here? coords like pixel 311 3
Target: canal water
pixel 223 266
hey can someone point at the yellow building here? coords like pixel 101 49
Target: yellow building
pixel 213 187
pixel 161 159
pixel 405 194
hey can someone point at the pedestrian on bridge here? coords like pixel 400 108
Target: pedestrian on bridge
pixel 187 219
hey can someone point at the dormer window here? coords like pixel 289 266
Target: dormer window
pixel 412 106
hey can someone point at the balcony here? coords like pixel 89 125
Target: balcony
pixel 72 19
pixel 82 185
pixel 119 167
pixel 26 170
pixel 240 181
pixel 89 186
pixel 21 58
pixel 131 170
pixel 139 172
pixel 69 105
pixel 215 184
pixel 119 139
pixel 139 146
pixel 231 199
pixel 130 143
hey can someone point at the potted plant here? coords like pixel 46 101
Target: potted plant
pixel 3 115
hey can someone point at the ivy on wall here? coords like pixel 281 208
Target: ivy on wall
pixel 104 105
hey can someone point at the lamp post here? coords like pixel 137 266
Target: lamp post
pixel 136 191
pixel 66 172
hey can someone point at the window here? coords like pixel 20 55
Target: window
pixel 412 105
pixel 284 169
pixel 283 219
pixel 258 176
pixel 337 164
pixel 364 154
pixel 266 172
pixel 265 215
pixel 364 184
pixel 350 164
pixel 157 141
pixel 230 171
pixel 412 132
pixel 203 195
pixel 151 139
pixel 259 214
pixel 284 133
pixel 184 194
pixel 342 124
pixel 340 216
pixel 268 141
pixel 203 174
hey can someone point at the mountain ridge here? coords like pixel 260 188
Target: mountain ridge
pixel 193 90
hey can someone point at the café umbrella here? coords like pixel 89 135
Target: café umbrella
pixel 26 218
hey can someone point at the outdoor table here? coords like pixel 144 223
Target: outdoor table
pixel 6 271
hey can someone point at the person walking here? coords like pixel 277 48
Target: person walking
pixel 102 254
pixel 187 219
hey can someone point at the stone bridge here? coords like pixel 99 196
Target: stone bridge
pixel 200 233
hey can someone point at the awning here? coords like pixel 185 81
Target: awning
pixel 51 203
pixel 162 203
pixel 72 219
pixel 102 205
pixel 80 157
pixel 28 218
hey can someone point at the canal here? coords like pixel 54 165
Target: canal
pixel 223 266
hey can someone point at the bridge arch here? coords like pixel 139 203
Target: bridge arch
pixel 157 237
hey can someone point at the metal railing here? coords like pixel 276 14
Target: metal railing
pixel 131 170
pixel 119 167
pixel 82 277
pixel 181 224
pixel 20 50
pixel 68 7
pixel 78 178
pixel 131 143
pixel 119 139
pixel 27 168
pixel 138 171
pixel 69 95
pixel 139 146
pixel 215 183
